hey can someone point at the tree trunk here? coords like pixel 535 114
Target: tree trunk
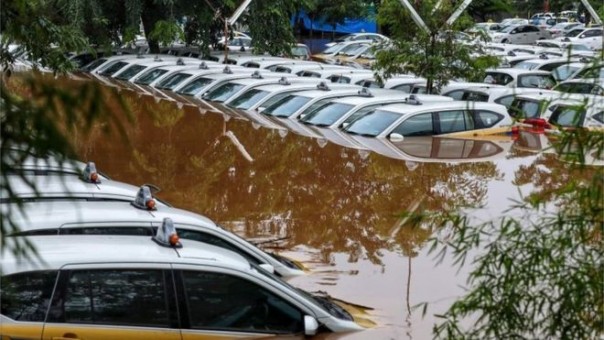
pixel 152 13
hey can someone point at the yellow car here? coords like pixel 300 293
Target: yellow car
pixel 127 287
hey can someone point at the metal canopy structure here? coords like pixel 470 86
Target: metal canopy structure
pixel 462 7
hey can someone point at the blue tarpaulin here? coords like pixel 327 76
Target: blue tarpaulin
pixel 349 26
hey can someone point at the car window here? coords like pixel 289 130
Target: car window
pixel 221 301
pixel 133 297
pixel 200 236
pixel 456 95
pixel 599 117
pixel 497 78
pixel 567 116
pixel 404 87
pixel 524 108
pixel 454 121
pixel 419 125
pixel 26 296
pixel 476 97
pixel 505 100
pixel 486 119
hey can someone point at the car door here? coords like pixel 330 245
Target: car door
pixel 134 301
pixel 221 305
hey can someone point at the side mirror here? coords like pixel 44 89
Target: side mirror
pixel 268 267
pixel 311 325
pixel 396 137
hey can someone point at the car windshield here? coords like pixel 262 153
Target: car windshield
pixel 174 80
pixel 130 72
pixel 327 114
pixel 248 99
pixel 193 87
pixel 150 76
pixel 287 106
pixel 223 92
pixel 541 81
pixel 373 123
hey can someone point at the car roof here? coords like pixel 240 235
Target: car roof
pixel 381 95
pixel 55 252
pixel 410 108
pixel 317 93
pixel 518 71
pixel 302 85
pixel 69 187
pixel 57 214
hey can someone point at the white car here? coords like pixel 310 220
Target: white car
pixel 373 37
pixel 398 121
pixel 154 288
pixel 591 37
pixel 521 34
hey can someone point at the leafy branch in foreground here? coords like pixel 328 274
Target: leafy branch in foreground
pixel 539 271
pixel 39 119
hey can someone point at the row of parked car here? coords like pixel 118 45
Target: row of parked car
pixel 112 261
pixel 316 99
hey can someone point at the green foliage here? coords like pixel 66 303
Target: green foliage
pixel 166 32
pixel 269 25
pixel 434 54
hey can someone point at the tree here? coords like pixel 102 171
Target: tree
pixel 433 53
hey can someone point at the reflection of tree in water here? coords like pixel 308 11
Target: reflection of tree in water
pixel 329 198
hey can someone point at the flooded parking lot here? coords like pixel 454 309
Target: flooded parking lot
pixel 337 210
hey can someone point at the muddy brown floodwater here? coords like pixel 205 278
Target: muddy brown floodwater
pixel 337 210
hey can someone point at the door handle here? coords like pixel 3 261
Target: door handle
pixel 66 336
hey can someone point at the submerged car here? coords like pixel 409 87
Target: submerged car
pixel 141 216
pixel 160 287
pixel 398 121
